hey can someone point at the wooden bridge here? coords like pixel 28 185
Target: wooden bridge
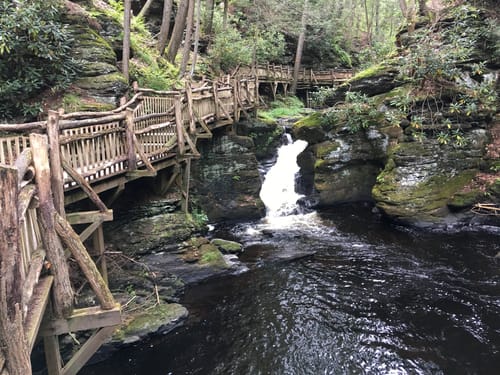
pixel 46 165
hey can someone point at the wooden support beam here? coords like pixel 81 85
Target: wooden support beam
pixel 12 337
pixel 52 355
pixel 185 186
pixel 63 293
pixel 87 265
pixel 89 231
pixel 83 319
pixel 189 96
pixel 216 101
pixel 38 305
pixel 87 217
pixel 190 143
pixel 88 349
pixel 56 171
pixel 179 126
pixel 35 268
pixel 100 247
pixel 23 163
pixel 129 133
pixel 85 186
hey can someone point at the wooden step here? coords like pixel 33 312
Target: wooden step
pixel 36 308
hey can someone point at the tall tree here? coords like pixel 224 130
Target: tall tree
pixel 196 36
pixel 187 40
pixel 165 26
pixel 126 38
pixel 208 20
pixel 300 48
pixel 178 31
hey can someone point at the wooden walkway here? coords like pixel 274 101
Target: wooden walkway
pixel 46 165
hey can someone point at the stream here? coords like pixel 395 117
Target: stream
pixel 335 292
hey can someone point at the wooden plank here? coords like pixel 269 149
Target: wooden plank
pixel 87 232
pixel 87 265
pixel 179 126
pixel 86 217
pixel 30 283
pixel 63 293
pixel 52 355
pixel 87 350
pixel 56 171
pixel 85 186
pixel 81 320
pixel 38 304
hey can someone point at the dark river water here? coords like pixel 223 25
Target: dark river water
pixel 360 296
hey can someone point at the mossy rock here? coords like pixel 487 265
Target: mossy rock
pixel 211 256
pixel 463 200
pixel 227 246
pixel 321 150
pixel 426 201
pixel 310 129
pixel 154 320
pixel 90 47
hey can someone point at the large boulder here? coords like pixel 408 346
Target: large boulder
pixel 226 179
pixel 420 180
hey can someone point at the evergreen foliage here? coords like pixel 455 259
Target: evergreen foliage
pixel 34 54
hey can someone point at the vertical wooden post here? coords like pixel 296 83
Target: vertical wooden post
pixel 57 179
pixel 129 133
pixel 52 355
pixel 98 240
pixel 185 186
pixel 189 96
pixel 62 291
pixel 12 337
pixel 236 94
pixel 216 101
pixel 126 38
pixel 179 125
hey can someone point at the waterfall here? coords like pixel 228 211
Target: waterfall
pixel 278 190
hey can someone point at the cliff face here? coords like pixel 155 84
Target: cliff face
pixel 424 144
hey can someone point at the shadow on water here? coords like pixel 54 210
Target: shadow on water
pixel 372 299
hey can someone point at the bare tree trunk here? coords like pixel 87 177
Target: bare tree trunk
pixel 145 8
pixel 179 25
pixel 404 8
pixel 187 40
pixel 224 18
pixel 368 21
pixel 377 20
pixel 126 39
pixel 300 49
pixel 165 26
pixel 209 18
pixel 196 36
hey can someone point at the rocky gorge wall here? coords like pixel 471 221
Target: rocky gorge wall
pixel 423 145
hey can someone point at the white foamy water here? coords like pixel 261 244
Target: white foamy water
pixel 278 190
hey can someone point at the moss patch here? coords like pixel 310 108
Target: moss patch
pixel 150 321
pixel 211 256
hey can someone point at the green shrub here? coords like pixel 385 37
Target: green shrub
pixel 34 54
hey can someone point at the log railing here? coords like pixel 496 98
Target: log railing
pixel 306 77
pixel 41 162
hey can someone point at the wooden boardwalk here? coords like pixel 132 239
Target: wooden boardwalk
pixel 46 165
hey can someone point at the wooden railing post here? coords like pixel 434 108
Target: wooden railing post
pixel 129 133
pixel 216 100
pixel 179 124
pixel 63 293
pixel 57 179
pixel 189 97
pixel 12 337
pixel 236 93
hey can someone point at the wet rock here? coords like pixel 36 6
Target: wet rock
pixel 227 246
pixel 226 181
pixel 266 137
pixel 159 319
